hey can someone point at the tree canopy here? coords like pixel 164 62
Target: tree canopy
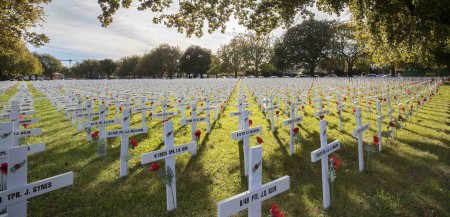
pixel 49 64
pixel 161 61
pixel 400 30
pixel 196 61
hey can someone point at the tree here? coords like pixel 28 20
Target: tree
pixel 232 56
pixel 195 61
pixel 107 67
pixel 19 63
pixel 49 64
pixel 127 66
pixel 214 68
pixel 161 61
pixel 257 50
pixel 400 30
pixel 346 47
pixel 86 69
pixel 17 17
pixel 305 45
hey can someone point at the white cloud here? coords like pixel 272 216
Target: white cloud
pixel 76 33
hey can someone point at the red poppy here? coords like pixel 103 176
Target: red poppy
pixel 250 122
pixel 353 110
pixel 222 107
pixel 345 99
pixel 403 109
pixel 4 168
pixel 321 117
pixel 277 112
pixel 376 140
pixel 303 107
pixel 281 214
pixel 95 134
pixel 201 104
pixel 155 166
pixel 134 143
pixel 25 125
pixel 259 140
pixel 392 124
pixel 274 210
pixel 370 103
pixel 336 161
pixel 21 117
pixel 17 166
pixel 150 114
pixel 295 130
pixel 179 100
pixel 337 103
pixel 400 117
pixel 121 109
pixel 197 133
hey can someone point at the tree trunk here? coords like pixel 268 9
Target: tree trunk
pixel 311 69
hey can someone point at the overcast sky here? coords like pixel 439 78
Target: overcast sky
pixel 75 33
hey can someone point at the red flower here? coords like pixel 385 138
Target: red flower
pixel 121 109
pixel 274 210
pixel 392 124
pixel 25 125
pixel 370 102
pixel 353 110
pixel 155 166
pixel 4 168
pixel 321 117
pixel 134 143
pixel 277 112
pixel 21 117
pixel 303 107
pixel 376 140
pixel 179 100
pixel 164 121
pixel 197 133
pixel 337 103
pixel 281 214
pixel 259 140
pixel 403 109
pixel 400 117
pixel 201 104
pixel 250 122
pixel 295 130
pixel 95 134
pixel 345 99
pixel 150 114
pixel 17 166
pixel 336 161
pixel 222 107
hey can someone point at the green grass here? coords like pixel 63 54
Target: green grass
pixel 409 178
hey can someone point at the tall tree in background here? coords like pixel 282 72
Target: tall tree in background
pixel 306 44
pixel 126 66
pixel 17 18
pixel 195 61
pixel 257 50
pixel 86 69
pixel 232 56
pixel 401 30
pixel 107 67
pixel 346 47
pixel 19 63
pixel 49 64
pixel 161 61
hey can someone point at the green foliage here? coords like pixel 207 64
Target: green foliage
pixel 19 63
pixel 86 69
pixel 305 45
pixel 127 66
pixel 161 61
pixel 195 61
pixel 17 17
pixel 107 67
pixel 49 64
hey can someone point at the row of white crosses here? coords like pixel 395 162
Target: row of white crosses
pixel 15 189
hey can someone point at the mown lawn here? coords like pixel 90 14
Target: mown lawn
pixel 409 178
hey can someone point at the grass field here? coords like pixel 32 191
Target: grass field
pixel 409 178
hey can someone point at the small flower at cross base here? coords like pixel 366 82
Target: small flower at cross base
pixel 336 161
pixel 95 134
pixel 337 103
pixel 155 167
pixel 25 126
pixel 321 117
pixel 376 140
pixel 277 112
pixel 4 168
pixel 150 115
pixel 250 122
pixel 353 110
pixel 295 130
pixel 197 133
pixel 303 107
pixel 134 143
pixel 21 117
pixel 222 107
pixel 259 140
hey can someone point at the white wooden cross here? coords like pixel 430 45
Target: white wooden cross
pixel 164 114
pixel 124 132
pixel 14 199
pixel 358 132
pixel 339 107
pixel 322 154
pixel 321 111
pixel 380 118
pixel 244 134
pixel 169 155
pixel 143 109
pixel 292 121
pixel 193 121
pixel 207 109
pixel 271 108
pixel 252 199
